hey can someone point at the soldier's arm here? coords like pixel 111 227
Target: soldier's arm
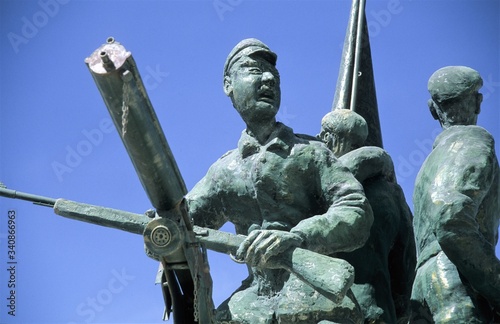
pixel 402 259
pixel 204 201
pixel 369 161
pixel 458 230
pixel 345 225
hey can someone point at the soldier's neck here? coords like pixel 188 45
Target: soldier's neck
pixel 261 130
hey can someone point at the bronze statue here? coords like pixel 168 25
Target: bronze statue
pixel 169 233
pixel 283 191
pixel 385 265
pixel 457 209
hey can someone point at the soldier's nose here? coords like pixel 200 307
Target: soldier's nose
pixel 268 77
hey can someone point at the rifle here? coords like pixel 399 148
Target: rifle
pixel 165 238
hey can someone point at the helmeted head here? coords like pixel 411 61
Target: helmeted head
pixel 343 130
pixel 252 81
pixel 455 99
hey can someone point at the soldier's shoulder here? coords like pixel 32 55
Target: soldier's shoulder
pixel 222 162
pixel 465 134
pixel 228 154
pixel 369 162
pixel 310 142
pixel 308 138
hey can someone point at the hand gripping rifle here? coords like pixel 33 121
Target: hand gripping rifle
pixel 169 234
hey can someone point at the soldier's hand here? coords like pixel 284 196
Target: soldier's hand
pixel 262 248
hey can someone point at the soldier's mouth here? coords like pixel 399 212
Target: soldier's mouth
pixel 266 96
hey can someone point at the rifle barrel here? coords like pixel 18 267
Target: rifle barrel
pixel 39 200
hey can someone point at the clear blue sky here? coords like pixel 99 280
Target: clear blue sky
pixel 72 272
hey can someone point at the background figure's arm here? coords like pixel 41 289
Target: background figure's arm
pixel 402 259
pixel 345 226
pixel 458 234
pixel 459 231
pixel 369 161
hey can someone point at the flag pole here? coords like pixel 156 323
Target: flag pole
pixel 355 89
pixel 357 54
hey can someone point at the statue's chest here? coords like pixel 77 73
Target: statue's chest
pixel 275 187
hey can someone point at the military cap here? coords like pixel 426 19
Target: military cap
pixel 453 81
pixel 248 47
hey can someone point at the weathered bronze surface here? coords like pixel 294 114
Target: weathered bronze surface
pixel 285 192
pixel 309 214
pixel 385 264
pixel 117 78
pixel 186 280
pixel 333 281
pixel 457 209
pixel 294 227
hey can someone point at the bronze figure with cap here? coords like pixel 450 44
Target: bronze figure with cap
pixel 457 211
pixel 283 191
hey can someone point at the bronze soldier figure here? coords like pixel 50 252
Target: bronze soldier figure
pixel 283 191
pixel 457 209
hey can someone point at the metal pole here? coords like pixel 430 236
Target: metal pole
pixel 357 54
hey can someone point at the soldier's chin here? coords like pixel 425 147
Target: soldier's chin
pixel 267 111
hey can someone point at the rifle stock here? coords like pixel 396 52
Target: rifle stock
pixel 332 277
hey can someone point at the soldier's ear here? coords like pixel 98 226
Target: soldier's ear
pixel 324 136
pixel 228 87
pixel 432 108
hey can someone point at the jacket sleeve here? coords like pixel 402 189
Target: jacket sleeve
pixel 345 226
pixel 205 205
pixel 465 202
pixel 369 161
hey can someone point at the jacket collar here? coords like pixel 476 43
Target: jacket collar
pixel 280 140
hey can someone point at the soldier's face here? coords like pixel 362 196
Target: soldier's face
pixel 255 89
pixel 338 145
